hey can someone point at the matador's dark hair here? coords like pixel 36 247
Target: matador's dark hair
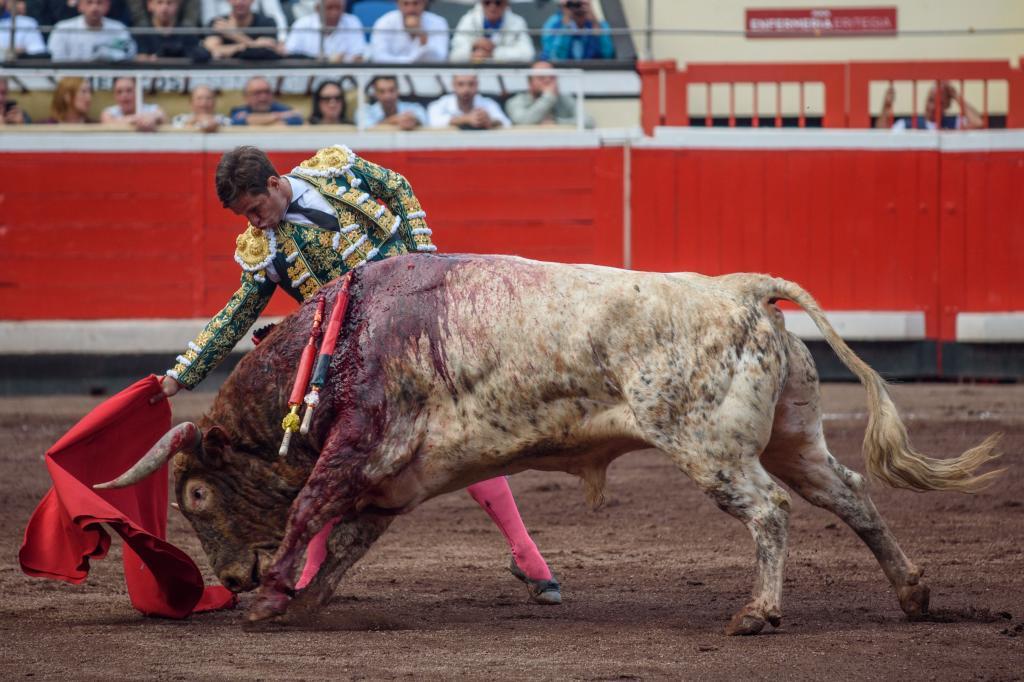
pixel 243 170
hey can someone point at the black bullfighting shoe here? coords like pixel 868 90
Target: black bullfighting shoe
pixel 541 591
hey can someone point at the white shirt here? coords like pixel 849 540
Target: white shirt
pixel 114 110
pixel 27 38
pixel 441 111
pixel 72 41
pixel 308 197
pixel 391 43
pixel 512 43
pixel 346 39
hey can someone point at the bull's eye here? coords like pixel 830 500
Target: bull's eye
pixel 196 496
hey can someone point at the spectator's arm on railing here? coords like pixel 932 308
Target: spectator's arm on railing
pixel 525 110
pixel 885 116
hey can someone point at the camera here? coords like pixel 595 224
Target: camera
pixel 573 4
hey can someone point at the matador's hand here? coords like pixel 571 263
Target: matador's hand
pixel 168 387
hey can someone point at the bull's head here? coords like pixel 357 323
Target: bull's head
pixel 237 501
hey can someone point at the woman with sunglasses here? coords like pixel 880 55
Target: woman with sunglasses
pixel 328 104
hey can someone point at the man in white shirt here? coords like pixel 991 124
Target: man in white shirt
pixel 345 43
pixel 409 34
pixel 91 36
pixel 491 31
pixel 27 38
pixel 466 108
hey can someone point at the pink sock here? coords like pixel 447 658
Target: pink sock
pixel 495 497
pixel 315 554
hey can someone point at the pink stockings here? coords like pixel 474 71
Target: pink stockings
pixel 495 497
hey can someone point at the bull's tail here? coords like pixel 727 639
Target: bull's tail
pixel 887 450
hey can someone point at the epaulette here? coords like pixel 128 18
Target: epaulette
pixel 329 162
pixel 255 248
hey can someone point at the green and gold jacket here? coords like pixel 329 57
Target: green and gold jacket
pixel 378 216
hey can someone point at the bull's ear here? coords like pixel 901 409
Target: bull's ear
pixel 215 440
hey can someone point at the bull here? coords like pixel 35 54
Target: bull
pixel 454 369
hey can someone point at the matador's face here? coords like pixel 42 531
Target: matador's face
pixel 264 211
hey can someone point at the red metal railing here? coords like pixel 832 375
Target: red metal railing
pixel 664 88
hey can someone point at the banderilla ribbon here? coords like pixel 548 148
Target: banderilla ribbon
pixel 323 362
pixel 290 423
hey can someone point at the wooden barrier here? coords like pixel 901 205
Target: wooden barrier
pixel 869 221
pixel 96 235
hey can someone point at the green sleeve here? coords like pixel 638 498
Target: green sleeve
pixel 222 332
pixel 397 193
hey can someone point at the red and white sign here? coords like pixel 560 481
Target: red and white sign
pixel 820 22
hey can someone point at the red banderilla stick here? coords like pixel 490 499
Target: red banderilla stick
pixel 326 353
pixel 290 423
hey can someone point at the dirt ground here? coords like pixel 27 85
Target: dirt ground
pixel 648 581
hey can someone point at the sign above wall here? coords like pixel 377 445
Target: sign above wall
pixel 820 22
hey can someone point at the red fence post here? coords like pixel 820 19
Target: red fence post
pixel 652 74
pixel 1015 103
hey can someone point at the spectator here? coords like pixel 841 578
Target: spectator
pixel 12 113
pixel 51 12
pixel 204 116
pixel 409 34
pixel 585 37
pixel 260 109
pixel 968 120
pixel 123 109
pixel 543 104
pixel 91 36
pixel 164 18
pixel 345 42
pixel 242 34
pixel 491 31
pixel 328 104
pixel 388 109
pixel 211 9
pixel 28 40
pixel 72 99
pixel 187 15
pixel 466 108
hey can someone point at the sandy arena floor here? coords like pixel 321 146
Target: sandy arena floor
pixel 649 580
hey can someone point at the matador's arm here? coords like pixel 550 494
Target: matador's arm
pixel 222 332
pixel 397 193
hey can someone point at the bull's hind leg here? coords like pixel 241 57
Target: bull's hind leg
pixel 740 486
pixel 798 455
pixel 748 493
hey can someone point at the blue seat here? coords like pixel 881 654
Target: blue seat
pixel 370 11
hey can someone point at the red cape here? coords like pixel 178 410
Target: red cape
pixel 65 532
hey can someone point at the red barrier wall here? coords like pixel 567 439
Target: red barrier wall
pixel 93 235
pixel 980 234
pixel 921 230
pixel 124 235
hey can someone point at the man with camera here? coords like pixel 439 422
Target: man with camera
pixel 575 32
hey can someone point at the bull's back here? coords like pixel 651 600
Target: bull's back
pixel 508 330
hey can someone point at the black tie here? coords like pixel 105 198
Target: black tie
pixel 318 218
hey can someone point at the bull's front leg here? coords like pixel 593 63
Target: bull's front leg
pixel 349 541
pixel 330 492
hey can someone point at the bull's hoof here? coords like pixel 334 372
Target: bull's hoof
pixel 749 622
pixel 548 592
pixel 268 606
pixel 914 600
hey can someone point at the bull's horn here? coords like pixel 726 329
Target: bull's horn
pixel 184 436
